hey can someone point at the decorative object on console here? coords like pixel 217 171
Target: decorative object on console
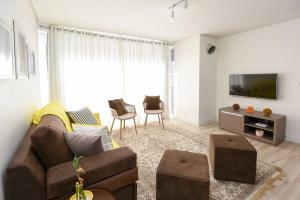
pixel 236 107
pixel 267 112
pixel 264 125
pixel 250 109
pixel 259 133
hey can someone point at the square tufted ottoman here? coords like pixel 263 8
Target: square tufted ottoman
pixel 232 158
pixel 182 175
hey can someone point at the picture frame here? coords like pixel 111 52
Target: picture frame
pixel 31 62
pixel 7 62
pixel 20 53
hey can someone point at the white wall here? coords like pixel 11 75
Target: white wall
pixel 187 61
pixel 208 82
pixel 19 98
pixel 272 49
pixel 196 73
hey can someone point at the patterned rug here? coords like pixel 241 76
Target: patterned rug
pixel 151 144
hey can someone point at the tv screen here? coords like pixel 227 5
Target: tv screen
pixel 253 85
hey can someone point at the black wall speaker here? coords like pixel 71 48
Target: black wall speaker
pixel 211 48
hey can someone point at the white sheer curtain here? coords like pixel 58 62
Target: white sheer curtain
pixel 87 69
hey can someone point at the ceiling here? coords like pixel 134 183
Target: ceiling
pixel 150 18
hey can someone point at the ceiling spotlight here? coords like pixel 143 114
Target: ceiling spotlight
pixel 172 7
pixel 172 15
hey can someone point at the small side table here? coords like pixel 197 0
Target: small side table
pixel 99 194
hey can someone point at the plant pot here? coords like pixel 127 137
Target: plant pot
pixel 88 194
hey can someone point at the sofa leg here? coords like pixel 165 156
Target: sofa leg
pixel 158 119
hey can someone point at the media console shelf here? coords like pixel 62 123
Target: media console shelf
pixel 245 124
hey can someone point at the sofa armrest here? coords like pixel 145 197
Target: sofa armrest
pixel 25 178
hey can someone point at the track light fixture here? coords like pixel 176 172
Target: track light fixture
pixel 172 8
pixel 172 16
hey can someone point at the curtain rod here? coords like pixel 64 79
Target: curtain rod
pixel 104 34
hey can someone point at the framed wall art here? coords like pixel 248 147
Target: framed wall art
pixel 7 64
pixel 20 53
pixel 31 62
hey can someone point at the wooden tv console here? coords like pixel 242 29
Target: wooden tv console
pixel 244 123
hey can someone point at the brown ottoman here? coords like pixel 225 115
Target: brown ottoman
pixel 232 158
pixel 182 175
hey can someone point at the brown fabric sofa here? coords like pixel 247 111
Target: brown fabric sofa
pixel 27 179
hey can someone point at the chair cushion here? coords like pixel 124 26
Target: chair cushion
pixel 127 116
pixel 152 102
pixel 154 111
pixel 118 105
pixel 82 116
pixel 84 144
pixel 49 143
pixel 61 178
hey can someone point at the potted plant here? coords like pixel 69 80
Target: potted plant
pixel 80 193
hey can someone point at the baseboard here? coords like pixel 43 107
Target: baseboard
pixel 292 139
pixel 207 122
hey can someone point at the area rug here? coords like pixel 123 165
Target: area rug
pixel 151 144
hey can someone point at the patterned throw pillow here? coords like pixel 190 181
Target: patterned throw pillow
pixel 118 105
pixel 82 116
pixel 152 102
pixel 99 130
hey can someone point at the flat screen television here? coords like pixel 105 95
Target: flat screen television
pixel 253 85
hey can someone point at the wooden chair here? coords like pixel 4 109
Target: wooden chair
pixel 130 115
pixel 158 112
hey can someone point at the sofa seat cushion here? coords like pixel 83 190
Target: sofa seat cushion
pixel 61 178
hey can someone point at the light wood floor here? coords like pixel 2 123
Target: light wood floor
pixel 286 156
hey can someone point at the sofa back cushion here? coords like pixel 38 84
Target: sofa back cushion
pixel 48 142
